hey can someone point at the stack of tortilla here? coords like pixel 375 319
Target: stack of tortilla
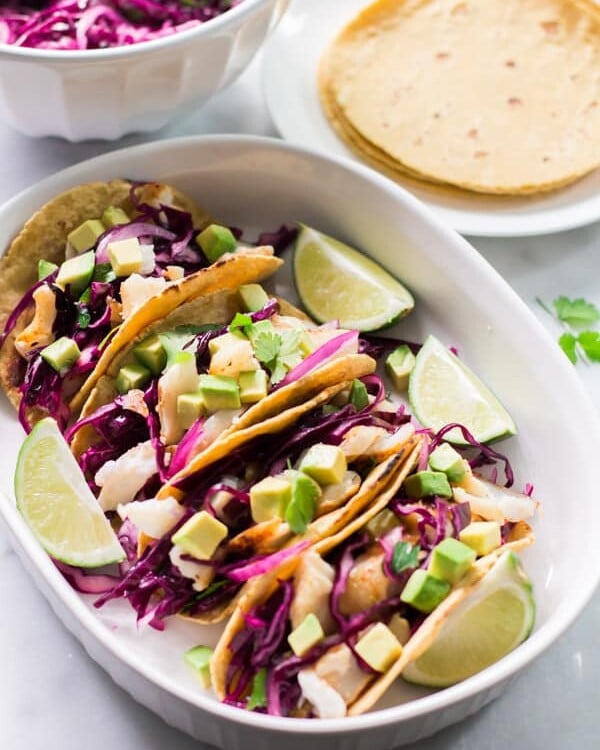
pixel 493 96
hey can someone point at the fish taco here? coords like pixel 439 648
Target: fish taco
pixel 92 268
pixel 327 633
pixel 262 493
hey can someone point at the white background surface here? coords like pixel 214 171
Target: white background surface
pixel 53 696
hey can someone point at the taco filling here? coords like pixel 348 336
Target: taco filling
pixel 321 636
pixel 262 503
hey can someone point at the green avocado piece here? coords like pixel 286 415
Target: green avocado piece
pixel 450 560
pixel 482 536
pixel 325 463
pixel 254 385
pixel 113 216
pixel 269 498
pixel 358 395
pixel 125 256
pixel 215 241
pixel 427 484
pixel 379 647
pixel 76 273
pixel 61 354
pixel 132 376
pixel 190 406
pixel 380 524
pixel 86 235
pixel 448 460
pixel 306 635
pixel 45 268
pixel 399 364
pixel 151 353
pixel 220 392
pixel 424 592
pixel 253 296
pixel 200 535
pixel 198 658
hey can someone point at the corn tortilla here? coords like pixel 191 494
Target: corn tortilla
pixel 494 96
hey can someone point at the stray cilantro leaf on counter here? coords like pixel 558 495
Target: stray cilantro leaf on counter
pixel 575 314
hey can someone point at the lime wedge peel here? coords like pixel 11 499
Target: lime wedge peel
pixel 442 390
pixel 57 504
pixel 495 617
pixel 336 282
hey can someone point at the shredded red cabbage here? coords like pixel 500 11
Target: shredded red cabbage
pixel 96 24
pixel 316 358
pixel 487 454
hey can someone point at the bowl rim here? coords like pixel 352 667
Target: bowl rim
pixel 245 8
pixel 482 682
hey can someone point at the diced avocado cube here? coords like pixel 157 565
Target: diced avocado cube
pixel 76 273
pixel 253 296
pixel 254 385
pixel 450 560
pixel 306 635
pixel 261 326
pixel 482 536
pixel 200 535
pixel 86 235
pixel 216 240
pixel 448 460
pixel 132 376
pixel 45 268
pixel 358 395
pixel 379 647
pixel 424 592
pixel 427 484
pixel 125 256
pixel 325 463
pixel 400 627
pixel 198 658
pixel 220 392
pixel 269 498
pixel 399 364
pixel 151 353
pixel 383 522
pixel 61 355
pixel 190 406
pixel 113 216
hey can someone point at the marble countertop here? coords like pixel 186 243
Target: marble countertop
pixel 52 695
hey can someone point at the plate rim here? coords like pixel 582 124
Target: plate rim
pixel 478 684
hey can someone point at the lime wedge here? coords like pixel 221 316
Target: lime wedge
pixel 57 504
pixel 442 390
pixel 494 619
pixel 336 282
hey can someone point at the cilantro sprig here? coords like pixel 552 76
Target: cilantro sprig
pixel 580 340
pixel 278 352
pixel 405 556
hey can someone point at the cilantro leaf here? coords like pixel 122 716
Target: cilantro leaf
pixel 83 317
pixel 240 322
pixel 589 341
pixel 278 371
pixel 568 343
pixel 258 696
pixel 578 312
pixel 103 272
pixel 266 347
pixel 405 556
pixel 302 507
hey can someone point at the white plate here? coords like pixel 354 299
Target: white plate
pixel 255 182
pixel 289 75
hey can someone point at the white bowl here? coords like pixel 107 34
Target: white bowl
pixel 83 94
pixel 260 183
